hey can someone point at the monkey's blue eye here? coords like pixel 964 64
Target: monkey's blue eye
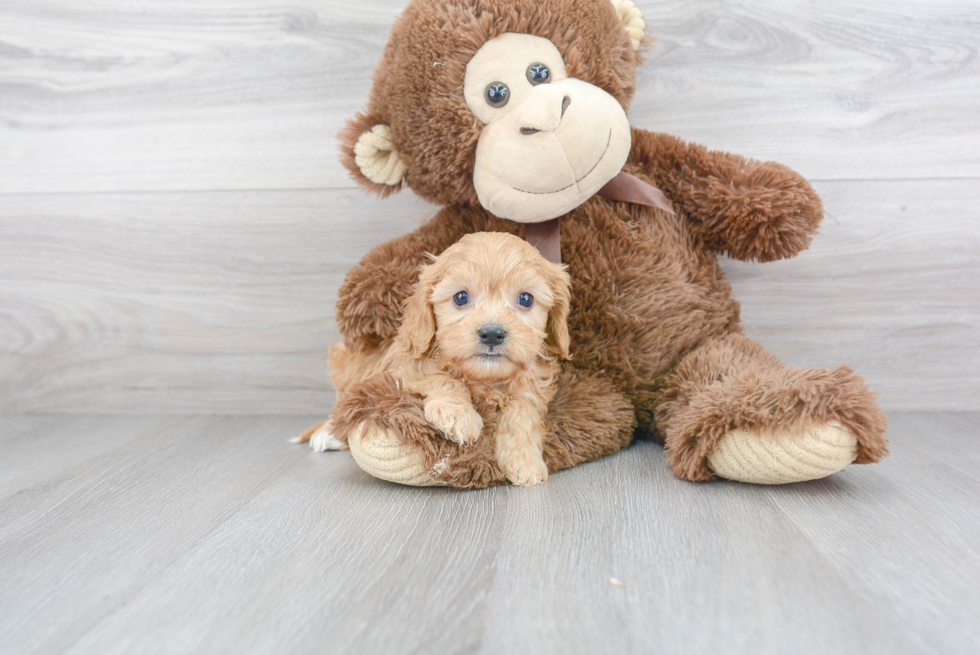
pixel 525 299
pixel 497 94
pixel 538 74
pixel 461 298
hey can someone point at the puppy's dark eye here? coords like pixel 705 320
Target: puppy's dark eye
pixel 461 298
pixel 525 299
pixel 538 74
pixel 497 94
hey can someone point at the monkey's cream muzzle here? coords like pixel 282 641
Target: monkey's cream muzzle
pixel 552 146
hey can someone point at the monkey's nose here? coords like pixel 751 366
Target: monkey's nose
pixel 492 335
pixel 553 123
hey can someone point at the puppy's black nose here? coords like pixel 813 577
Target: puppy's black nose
pixel 492 335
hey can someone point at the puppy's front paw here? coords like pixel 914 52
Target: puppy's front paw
pixel 458 421
pixel 524 467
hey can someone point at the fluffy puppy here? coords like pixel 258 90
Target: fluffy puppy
pixel 488 322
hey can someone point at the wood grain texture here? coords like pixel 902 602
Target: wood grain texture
pixel 223 302
pixel 890 286
pixel 217 302
pixel 174 222
pixel 213 535
pixel 928 468
pixel 179 95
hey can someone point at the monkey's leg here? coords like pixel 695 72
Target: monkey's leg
pixel 389 437
pixel 733 410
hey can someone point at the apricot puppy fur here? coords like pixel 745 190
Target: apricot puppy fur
pixel 487 320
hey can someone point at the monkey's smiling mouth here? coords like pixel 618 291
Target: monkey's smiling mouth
pixel 546 193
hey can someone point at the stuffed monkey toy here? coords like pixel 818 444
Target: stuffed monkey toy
pixel 511 115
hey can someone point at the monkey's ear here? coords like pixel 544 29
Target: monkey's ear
pixel 368 153
pixel 632 20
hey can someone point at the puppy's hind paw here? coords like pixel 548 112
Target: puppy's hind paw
pixel 322 440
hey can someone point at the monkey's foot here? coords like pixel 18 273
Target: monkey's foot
pixel 750 456
pixel 385 456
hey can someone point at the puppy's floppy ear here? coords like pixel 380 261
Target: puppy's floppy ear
pixel 560 282
pixel 418 328
pixel 367 151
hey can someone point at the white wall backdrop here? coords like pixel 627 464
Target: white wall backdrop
pixel 174 222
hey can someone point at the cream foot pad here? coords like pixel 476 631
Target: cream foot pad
pixel 384 456
pixel 746 456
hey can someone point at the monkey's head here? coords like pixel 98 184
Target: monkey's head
pixel 518 105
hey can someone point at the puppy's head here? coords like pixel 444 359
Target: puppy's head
pixel 489 305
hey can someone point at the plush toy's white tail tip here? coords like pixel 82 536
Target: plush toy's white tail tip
pixel 323 440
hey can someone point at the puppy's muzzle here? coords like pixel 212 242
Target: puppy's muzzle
pixel 491 335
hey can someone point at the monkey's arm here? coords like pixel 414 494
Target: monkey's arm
pixel 749 209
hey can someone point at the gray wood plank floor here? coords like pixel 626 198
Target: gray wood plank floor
pixel 212 534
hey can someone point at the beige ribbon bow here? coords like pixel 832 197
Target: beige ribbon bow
pixel 546 236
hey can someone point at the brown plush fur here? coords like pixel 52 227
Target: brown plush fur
pixel 587 419
pixel 729 382
pixel 418 85
pixel 655 334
